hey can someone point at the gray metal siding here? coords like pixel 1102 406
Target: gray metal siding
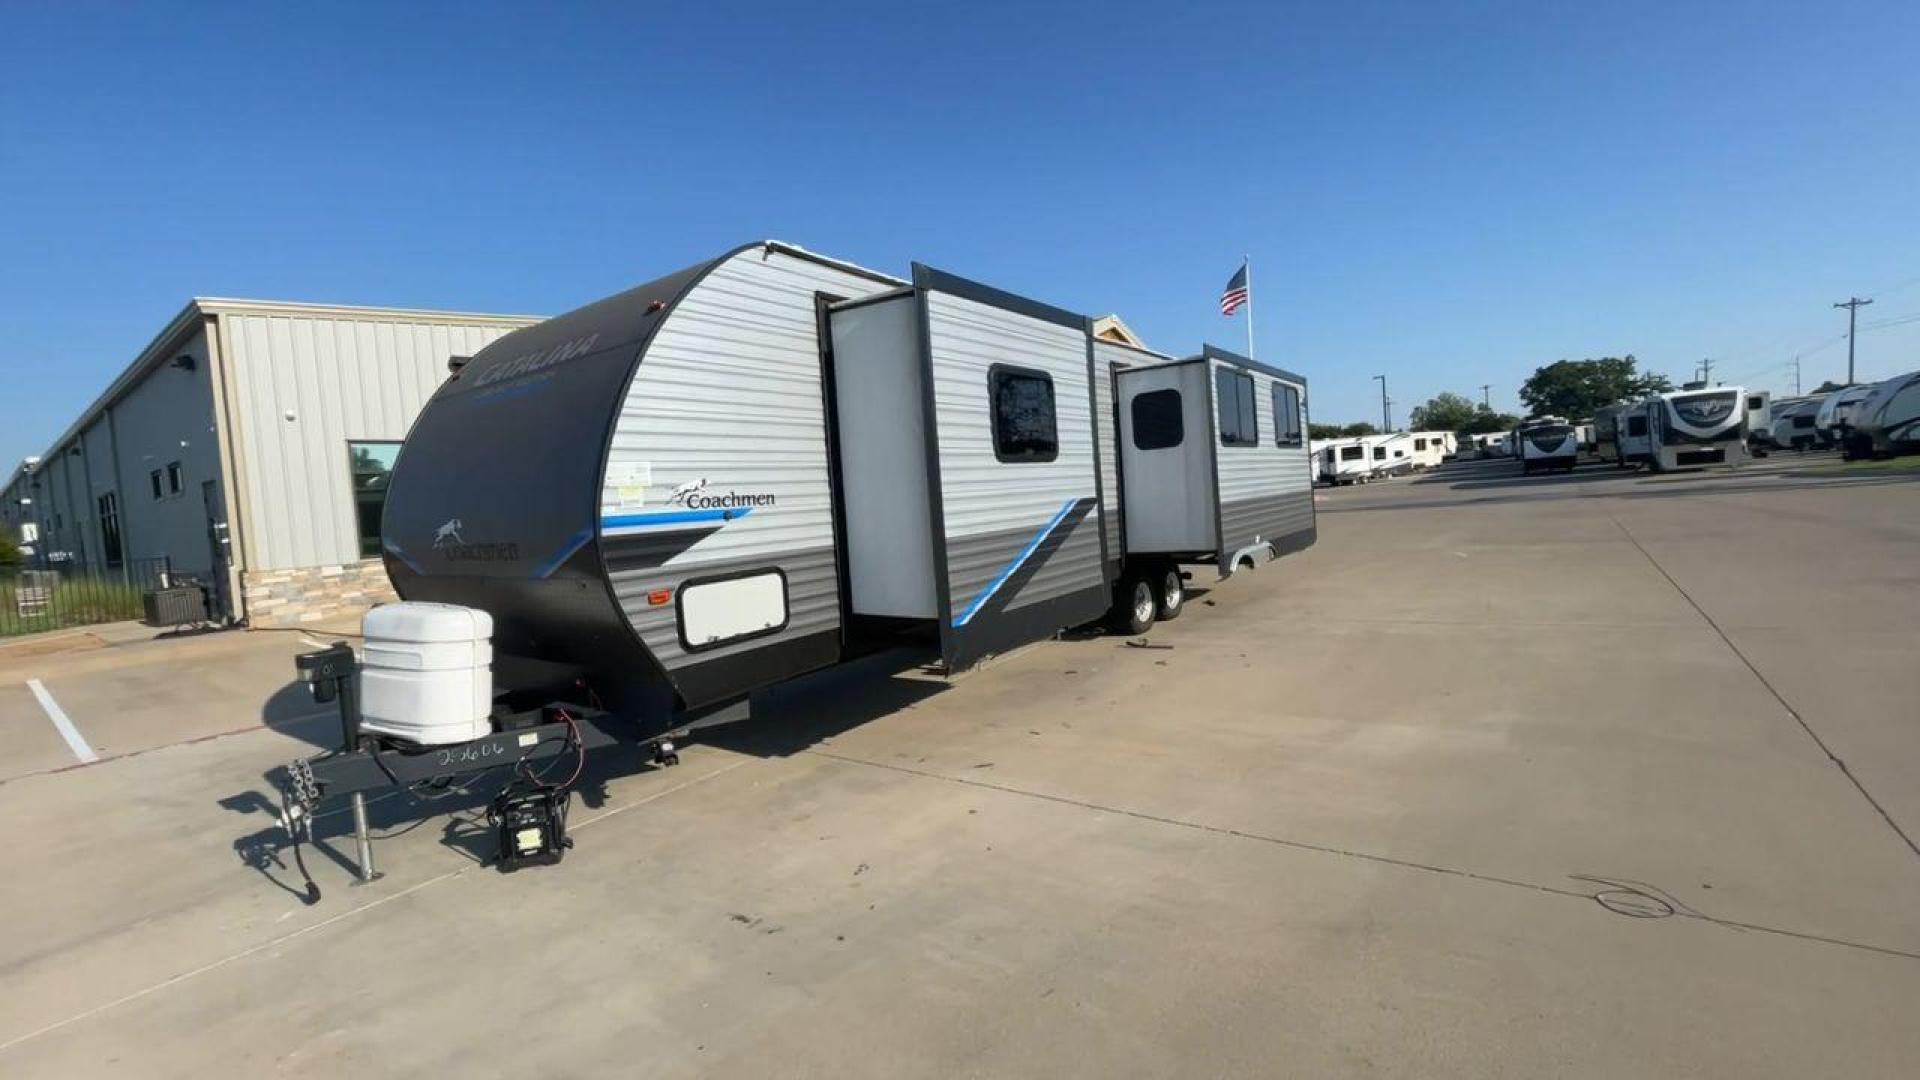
pixel 729 392
pixel 993 509
pixel 341 378
pixel 1265 491
pixel 167 417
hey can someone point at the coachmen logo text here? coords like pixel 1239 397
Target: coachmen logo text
pixel 693 495
pixel 453 547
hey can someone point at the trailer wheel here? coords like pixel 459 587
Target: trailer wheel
pixel 1170 599
pixel 1134 605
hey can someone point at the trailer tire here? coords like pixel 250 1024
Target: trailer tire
pixel 1169 595
pixel 1134 605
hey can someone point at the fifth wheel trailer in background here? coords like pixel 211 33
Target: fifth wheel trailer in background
pixel 1686 428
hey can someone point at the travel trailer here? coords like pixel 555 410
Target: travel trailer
pixel 1887 423
pixel 1494 444
pixel 1547 444
pixel 615 525
pixel 1759 422
pixel 1430 448
pixel 1390 454
pixel 1345 461
pixel 1794 424
pixel 1687 428
pixel 1620 434
pixel 1836 413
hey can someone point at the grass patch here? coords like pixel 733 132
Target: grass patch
pixel 1892 465
pixel 81 601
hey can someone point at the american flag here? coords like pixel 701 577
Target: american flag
pixel 1236 293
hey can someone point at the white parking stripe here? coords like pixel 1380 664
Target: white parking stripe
pixel 59 717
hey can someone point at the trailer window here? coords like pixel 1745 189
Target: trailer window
pixel 1636 427
pixel 1023 418
pixel 1239 422
pixel 1379 453
pixel 1286 415
pixel 371 465
pixel 1351 453
pixel 1157 420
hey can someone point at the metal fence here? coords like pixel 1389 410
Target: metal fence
pixel 63 593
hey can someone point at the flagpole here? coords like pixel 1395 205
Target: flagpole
pixel 1246 263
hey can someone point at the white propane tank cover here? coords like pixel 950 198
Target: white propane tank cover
pixel 426 672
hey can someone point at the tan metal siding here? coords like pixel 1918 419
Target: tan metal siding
pixel 342 378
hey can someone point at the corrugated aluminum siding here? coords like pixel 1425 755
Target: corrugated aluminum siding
pixel 343 379
pixel 729 392
pixel 992 509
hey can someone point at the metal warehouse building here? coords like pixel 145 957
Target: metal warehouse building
pixel 248 445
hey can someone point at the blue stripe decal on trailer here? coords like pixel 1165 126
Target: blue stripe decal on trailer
pixel 672 517
pixel 574 543
pixel 987 593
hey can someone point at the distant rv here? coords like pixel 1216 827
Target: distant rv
pixel 1620 434
pixel 1689 428
pixel 1546 445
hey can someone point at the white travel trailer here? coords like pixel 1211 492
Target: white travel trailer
pixel 1494 443
pixel 1586 435
pixel 1213 461
pixel 1390 454
pixel 1547 445
pixel 1430 448
pixel 1345 461
pixel 1687 428
pixel 1794 424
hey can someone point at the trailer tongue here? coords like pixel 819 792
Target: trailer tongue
pixel 529 815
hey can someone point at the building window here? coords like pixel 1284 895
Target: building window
pixel 1239 422
pixel 176 478
pixel 159 484
pixel 1157 420
pixel 371 466
pixel 1023 417
pixel 1286 415
pixel 110 528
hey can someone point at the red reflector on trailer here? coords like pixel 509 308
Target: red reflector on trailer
pixel 659 596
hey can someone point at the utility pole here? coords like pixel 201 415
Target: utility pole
pixel 1706 370
pixel 1853 306
pixel 1484 398
pixel 1796 376
pixel 1386 416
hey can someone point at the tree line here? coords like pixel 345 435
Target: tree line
pixel 1575 389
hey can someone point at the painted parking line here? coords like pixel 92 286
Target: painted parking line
pixel 55 713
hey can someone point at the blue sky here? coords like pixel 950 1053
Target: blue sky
pixel 1447 194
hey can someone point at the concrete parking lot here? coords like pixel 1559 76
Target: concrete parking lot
pixel 1595 775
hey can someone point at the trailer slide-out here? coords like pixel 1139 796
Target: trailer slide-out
pixel 760 466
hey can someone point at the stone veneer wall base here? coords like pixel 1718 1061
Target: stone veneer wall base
pixel 279 599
